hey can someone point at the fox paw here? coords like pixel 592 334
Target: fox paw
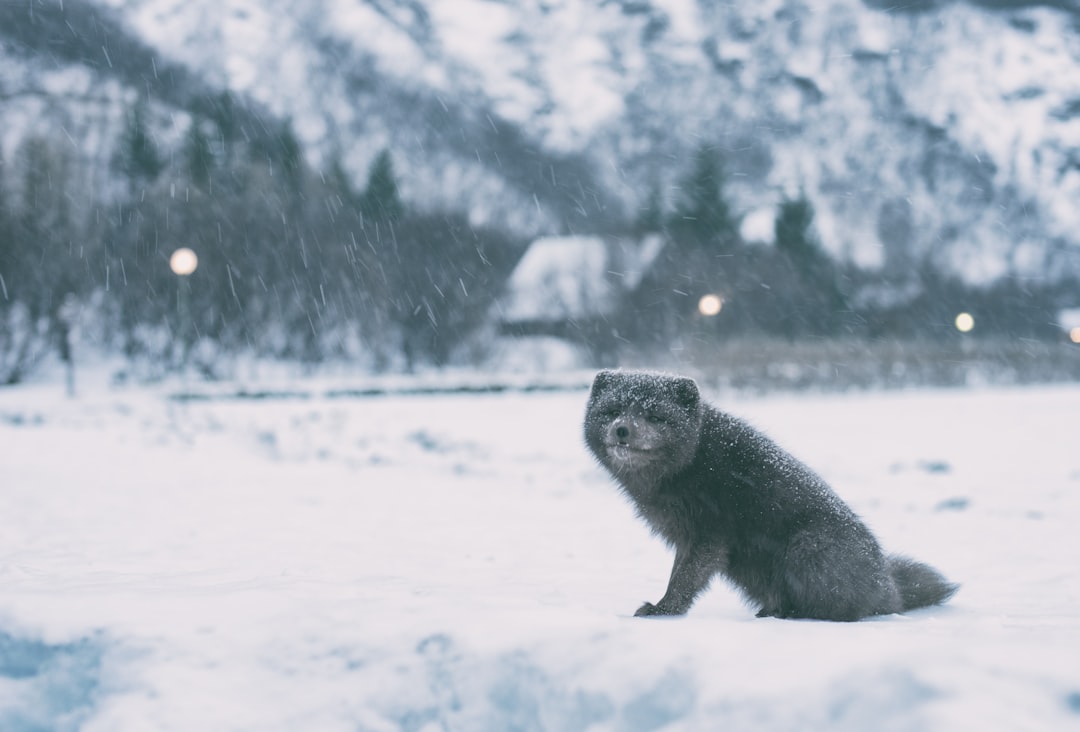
pixel 659 610
pixel 646 610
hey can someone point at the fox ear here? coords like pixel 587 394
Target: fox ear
pixel 686 392
pixel 602 381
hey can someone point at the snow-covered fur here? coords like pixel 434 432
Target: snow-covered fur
pixel 731 502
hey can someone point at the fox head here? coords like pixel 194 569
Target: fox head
pixel 642 425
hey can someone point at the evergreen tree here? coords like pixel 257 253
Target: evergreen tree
pixel 344 200
pixel 198 157
pixel 280 150
pixel 794 235
pixel 13 346
pixel 703 235
pixel 221 112
pixel 290 156
pixel 441 276
pixel 138 157
pixel 46 265
pixel 814 301
pixel 651 216
pixel 7 244
pixel 702 214
pixel 380 200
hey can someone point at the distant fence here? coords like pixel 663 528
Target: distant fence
pixel 838 365
pixel 450 382
pixel 743 364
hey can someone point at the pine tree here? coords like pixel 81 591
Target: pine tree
pixel 340 186
pixel 702 213
pixel 290 156
pixel 199 159
pixel 7 245
pixel 380 200
pixel 794 234
pixel 138 157
pixel 814 291
pixel 221 110
pixel 47 266
pixel 651 215
pixel 703 235
pixel 280 150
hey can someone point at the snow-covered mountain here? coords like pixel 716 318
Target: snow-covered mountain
pixel 947 131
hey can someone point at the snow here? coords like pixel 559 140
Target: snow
pixel 759 226
pixel 576 81
pixel 1030 142
pixel 563 275
pixel 1069 318
pixel 576 276
pixel 469 30
pixel 445 562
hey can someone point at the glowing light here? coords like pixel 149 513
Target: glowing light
pixel 965 322
pixel 710 305
pixel 1074 334
pixel 183 261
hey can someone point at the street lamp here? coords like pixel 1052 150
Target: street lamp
pixel 710 305
pixel 965 322
pixel 183 263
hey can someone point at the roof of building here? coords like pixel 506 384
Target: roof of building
pixel 576 276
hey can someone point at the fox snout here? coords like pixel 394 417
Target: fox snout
pixel 628 431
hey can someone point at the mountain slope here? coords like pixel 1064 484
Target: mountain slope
pixel 941 131
pixel 86 60
pixel 945 133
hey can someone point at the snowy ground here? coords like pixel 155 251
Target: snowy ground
pixel 459 563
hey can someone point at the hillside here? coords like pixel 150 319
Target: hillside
pixel 942 130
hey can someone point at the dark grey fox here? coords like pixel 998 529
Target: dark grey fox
pixel 731 502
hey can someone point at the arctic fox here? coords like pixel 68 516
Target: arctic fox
pixel 731 502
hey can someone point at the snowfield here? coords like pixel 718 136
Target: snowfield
pixel 458 562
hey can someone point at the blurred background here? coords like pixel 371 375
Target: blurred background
pixel 777 192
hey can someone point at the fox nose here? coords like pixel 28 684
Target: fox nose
pixel 622 432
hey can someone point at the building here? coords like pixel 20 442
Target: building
pixel 569 288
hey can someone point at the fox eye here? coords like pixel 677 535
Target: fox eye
pixel 654 419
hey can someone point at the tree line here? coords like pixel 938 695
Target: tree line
pixel 293 263
pixel 793 288
pixel 301 264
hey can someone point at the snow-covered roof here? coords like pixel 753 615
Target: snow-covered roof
pixel 1069 318
pixel 576 276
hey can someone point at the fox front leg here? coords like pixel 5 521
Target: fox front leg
pixel 690 575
